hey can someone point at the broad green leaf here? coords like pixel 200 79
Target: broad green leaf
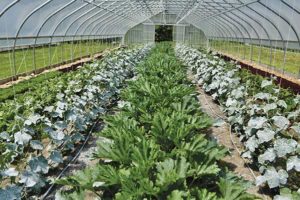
pixel 296 128
pixel 37 145
pixel 176 195
pixel 273 178
pixel 30 179
pixel 263 96
pixel 257 122
pixel 266 83
pixel 11 172
pixel 5 136
pixel 22 138
pixel 252 143
pixel 170 171
pixel 39 165
pixel 32 120
pixel 268 155
pixel 281 122
pixel 204 194
pixel 57 135
pixel 11 192
pixel 265 135
pixel 284 146
pixel 293 162
pixel 269 107
pixel 56 157
pixel 282 103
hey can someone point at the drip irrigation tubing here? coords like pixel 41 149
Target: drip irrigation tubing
pixel 72 161
pixel 231 137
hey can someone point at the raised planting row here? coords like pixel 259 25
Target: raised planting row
pixel 155 146
pixel 26 85
pixel 40 127
pixel 265 116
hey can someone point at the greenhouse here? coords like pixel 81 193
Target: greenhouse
pixel 150 99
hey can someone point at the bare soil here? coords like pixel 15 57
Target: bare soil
pixel 84 160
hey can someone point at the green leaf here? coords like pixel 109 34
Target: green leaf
pixel 39 164
pixel 22 138
pixel 265 135
pixel 293 162
pixel 176 195
pixel 252 143
pixel 37 145
pixel 11 172
pixel 32 120
pixel 56 157
pixel 204 194
pixel 285 146
pixel 11 192
pixel 281 122
pixel 72 195
pixel 170 171
pixel 268 155
pixel 273 178
pixel 257 122
pixel 266 83
pixel 30 179
pixel 144 155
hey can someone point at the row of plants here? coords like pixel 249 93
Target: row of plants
pixel 264 116
pixel 155 146
pixel 27 85
pixel 40 128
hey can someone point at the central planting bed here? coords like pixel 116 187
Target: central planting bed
pixel 155 146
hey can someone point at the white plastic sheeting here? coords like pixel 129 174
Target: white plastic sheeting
pixel 257 21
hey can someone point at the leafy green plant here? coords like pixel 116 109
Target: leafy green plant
pixel 56 116
pixel 152 148
pixel 264 115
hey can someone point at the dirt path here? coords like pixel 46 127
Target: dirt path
pixel 83 160
pixel 224 137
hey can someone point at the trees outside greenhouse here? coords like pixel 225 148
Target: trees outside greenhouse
pixel 168 99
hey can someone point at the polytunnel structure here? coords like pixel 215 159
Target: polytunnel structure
pixel 262 23
pixel 150 99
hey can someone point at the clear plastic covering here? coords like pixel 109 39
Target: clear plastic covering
pixel 252 20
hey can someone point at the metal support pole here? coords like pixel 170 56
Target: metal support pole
pixel 260 49
pixel 285 43
pixel 34 61
pixel 244 56
pixel 72 49
pixel 88 45
pixel 14 59
pixel 80 47
pixel 271 51
pixel 251 52
pixel 49 53
pixel 62 51
pixel 123 40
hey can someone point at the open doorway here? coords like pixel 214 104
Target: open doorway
pixel 163 33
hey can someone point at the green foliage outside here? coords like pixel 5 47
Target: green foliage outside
pixel 292 61
pixel 45 56
pixel 163 33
